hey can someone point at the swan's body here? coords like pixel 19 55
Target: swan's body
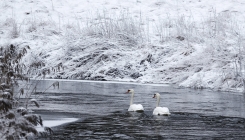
pixel 160 110
pixel 134 107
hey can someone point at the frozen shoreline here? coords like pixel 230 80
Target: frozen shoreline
pixel 117 82
pixel 55 122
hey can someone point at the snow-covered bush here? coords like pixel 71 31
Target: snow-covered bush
pixel 15 120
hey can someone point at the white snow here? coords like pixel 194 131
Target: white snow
pixel 132 40
pixel 52 123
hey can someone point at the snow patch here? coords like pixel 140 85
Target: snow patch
pixel 52 123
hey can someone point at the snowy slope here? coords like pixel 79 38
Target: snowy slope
pixel 193 43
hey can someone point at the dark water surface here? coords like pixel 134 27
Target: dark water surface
pixel 102 111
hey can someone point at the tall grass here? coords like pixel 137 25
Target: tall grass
pixel 111 25
pixel 12 25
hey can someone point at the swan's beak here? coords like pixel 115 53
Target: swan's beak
pixel 154 96
pixel 127 92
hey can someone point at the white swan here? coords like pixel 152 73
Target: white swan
pixel 160 110
pixel 134 107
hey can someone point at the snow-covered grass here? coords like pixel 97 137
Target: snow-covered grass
pixel 193 43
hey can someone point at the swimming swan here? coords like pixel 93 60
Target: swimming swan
pixel 160 110
pixel 134 107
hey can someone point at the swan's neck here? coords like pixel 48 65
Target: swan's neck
pixel 132 98
pixel 158 100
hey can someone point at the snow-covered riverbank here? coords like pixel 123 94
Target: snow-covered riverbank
pixel 194 43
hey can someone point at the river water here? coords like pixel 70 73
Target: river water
pixel 101 109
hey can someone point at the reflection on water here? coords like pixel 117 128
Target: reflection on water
pixel 104 105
